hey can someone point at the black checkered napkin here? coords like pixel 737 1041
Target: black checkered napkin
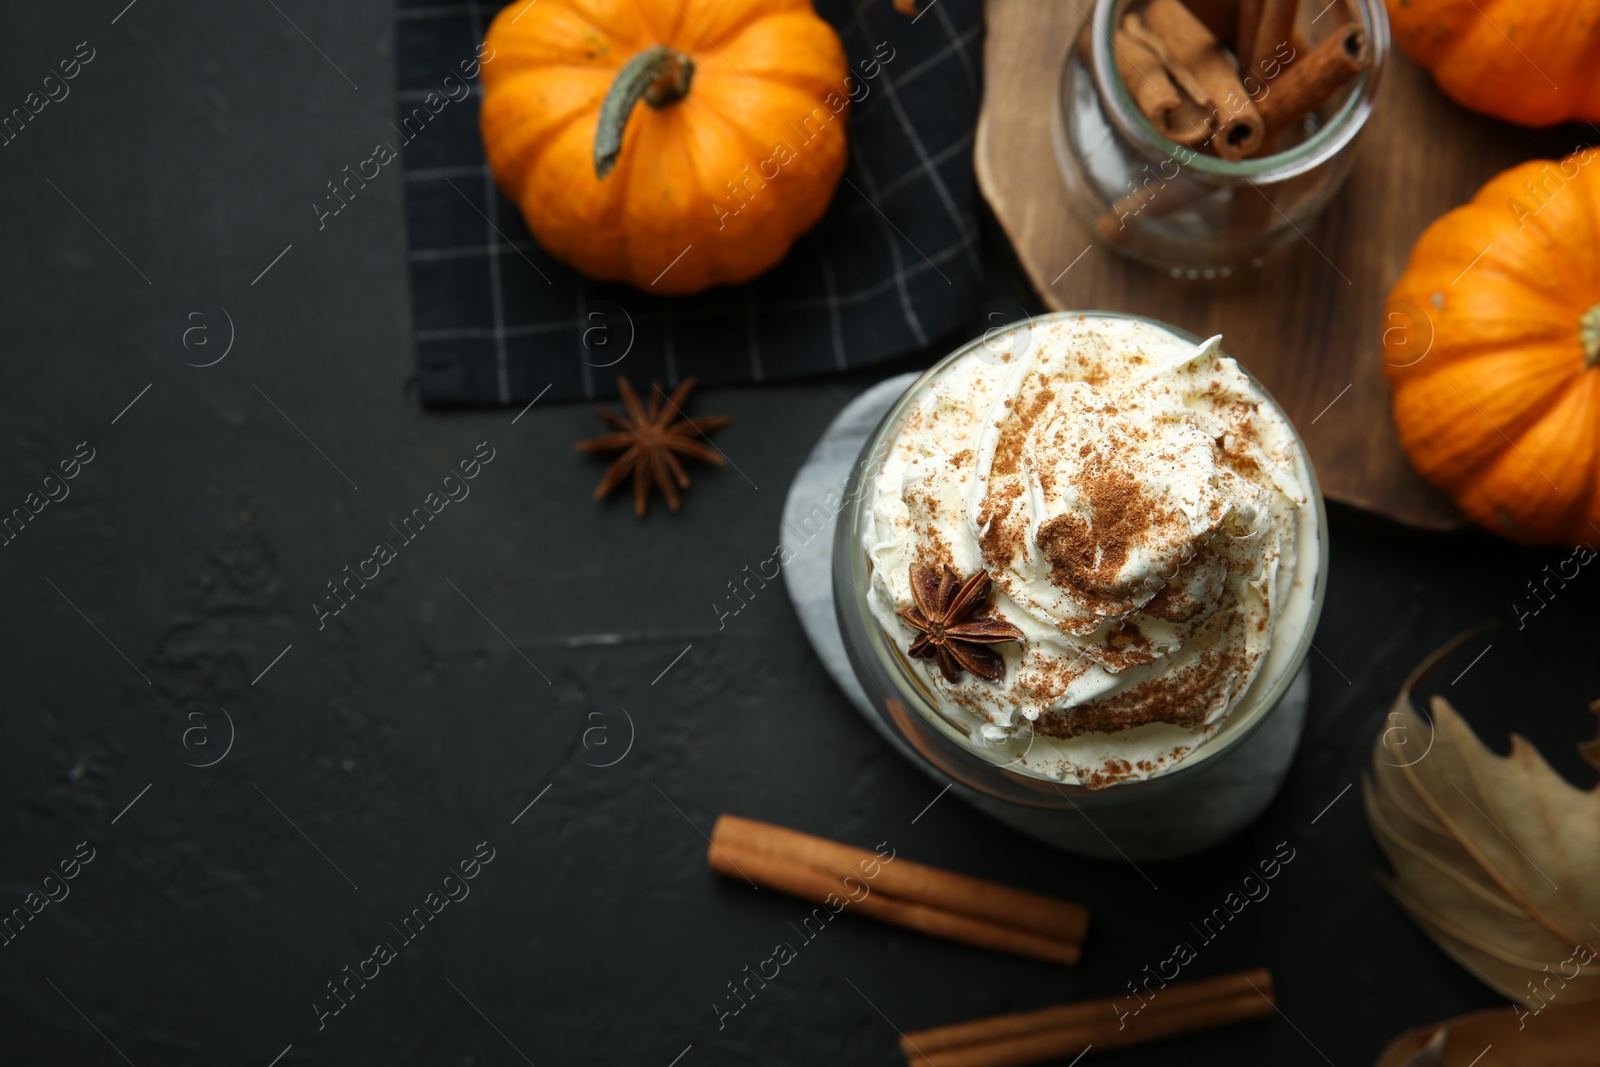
pixel 892 265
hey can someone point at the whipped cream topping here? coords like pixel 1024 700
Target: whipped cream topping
pixel 1143 511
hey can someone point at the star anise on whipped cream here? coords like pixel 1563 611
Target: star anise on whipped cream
pixel 943 613
pixel 650 441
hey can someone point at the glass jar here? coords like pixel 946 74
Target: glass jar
pixel 1193 214
pixel 1173 812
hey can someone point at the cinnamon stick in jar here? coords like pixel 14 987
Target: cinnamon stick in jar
pixel 1113 224
pixel 1181 75
pixel 1174 115
pixel 1240 129
pixel 1274 28
pixel 1244 29
pixel 1310 81
pixel 1221 17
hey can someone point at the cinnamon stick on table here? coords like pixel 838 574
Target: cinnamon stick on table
pixel 1312 79
pixel 1239 126
pixel 1107 1023
pixel 897 890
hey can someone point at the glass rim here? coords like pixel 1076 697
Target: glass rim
pixel 1317 149
pixel 909 688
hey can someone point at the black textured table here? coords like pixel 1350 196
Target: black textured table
pixel 167 605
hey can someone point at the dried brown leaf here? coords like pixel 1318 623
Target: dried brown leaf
pixel 1563 1035
pixel 1497 858
pixel 1590 750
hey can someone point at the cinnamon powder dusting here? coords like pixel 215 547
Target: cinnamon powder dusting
pixel 1088 554
pixel 1181 700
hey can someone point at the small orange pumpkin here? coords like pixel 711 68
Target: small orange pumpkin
pixel 1533 62
pixel 672 145
pixel 1492 346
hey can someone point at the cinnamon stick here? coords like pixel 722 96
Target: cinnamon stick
pixel 1001 1027
pixel 1239 126
pixel 1274 27
pixel 1112 225
pixel 1221 17
pixel 1174 116
pixel 1107 1023
pixel 1181 75
pixel 1310 81
pixel 1244 32
pixel 906 880
pixel 1251 212
pixel 811 884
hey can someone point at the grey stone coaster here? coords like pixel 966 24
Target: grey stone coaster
pixel 1203 809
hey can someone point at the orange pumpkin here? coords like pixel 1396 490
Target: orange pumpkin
pixel 672 145
pixel 1492 346
pixel 1534 62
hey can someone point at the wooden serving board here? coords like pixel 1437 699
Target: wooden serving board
pixel 1297 324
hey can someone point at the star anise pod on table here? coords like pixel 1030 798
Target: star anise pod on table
pixel 650 443
pixel 943 613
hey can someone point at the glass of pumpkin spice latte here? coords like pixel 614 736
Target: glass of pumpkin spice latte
pixel 1081 556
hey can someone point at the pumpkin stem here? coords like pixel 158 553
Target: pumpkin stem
pixel 660 76
pixel 1589 333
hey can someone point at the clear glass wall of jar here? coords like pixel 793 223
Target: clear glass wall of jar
pixel 1190 213
pixel 1172 813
